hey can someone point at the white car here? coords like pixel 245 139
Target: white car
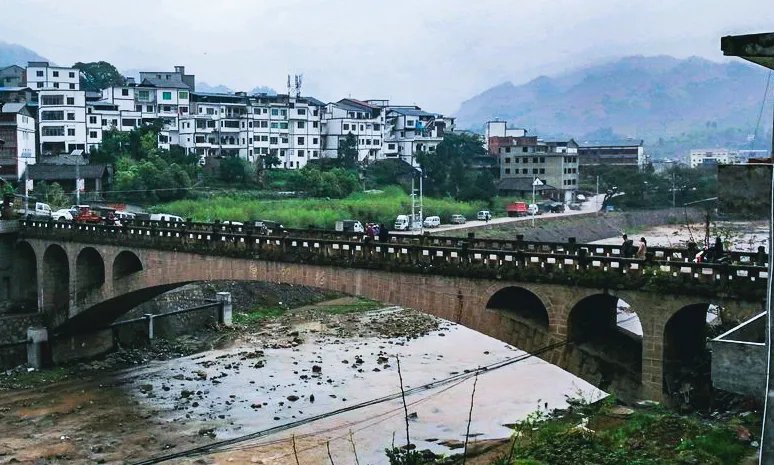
pixel 62 215
pixel 432 222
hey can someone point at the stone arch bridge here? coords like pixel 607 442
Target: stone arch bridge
pixel 85 276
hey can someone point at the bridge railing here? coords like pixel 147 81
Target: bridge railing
pixel 573 264
pixel 660 253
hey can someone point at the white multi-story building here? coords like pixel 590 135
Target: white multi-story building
pixel 704 157
pixel 17 131
pixel 62 108
pixel 365 121
pixel 410 130
pixel 252 127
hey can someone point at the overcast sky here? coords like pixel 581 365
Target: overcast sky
pixel 434 53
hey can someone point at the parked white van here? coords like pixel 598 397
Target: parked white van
pixel 166 217
pixel 432 222
pixel 402 223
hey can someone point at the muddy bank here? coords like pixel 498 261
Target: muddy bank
pixel 585 228
pixel 279 369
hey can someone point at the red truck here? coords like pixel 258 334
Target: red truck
pixel 516 209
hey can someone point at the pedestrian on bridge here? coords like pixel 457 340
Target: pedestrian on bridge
pixel 384 235
pixel 642 248
pixel 627 248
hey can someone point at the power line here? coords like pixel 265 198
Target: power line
pixel 223 445
pixel 760 113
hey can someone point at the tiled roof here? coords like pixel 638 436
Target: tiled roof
pixel 45 172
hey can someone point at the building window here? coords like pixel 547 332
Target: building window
pixel 542 159
pixel 182 94
pixel 72 86
pixel 524 171
pixel 525 160
pixel 53 131
pixel 71 100
pixel 507 150
pixel 301 125
pixel 507 160
pixel 138 108
pixel 301 153
pixel 345 127
pixel 56 85
pixel 264 138
pixel 166 95
pixel 314 154
pixel 507 171
pixel 56 73
pixel 71 117
pixel 273 140
pixel 410 122
pixel 314 124
pixel 39 84
pixel 51 115
pixel 377 126
pixel 72 74
pixel 92 120
pixel 284 140
pixel 127 122
pixel 39 73
pixel 534 171
pixel 149 108
pixel 301 111
pixel 542 171
pixel 70 131
pixel 315 141
pixel 93 134
pixel 390 146
pixel 525 150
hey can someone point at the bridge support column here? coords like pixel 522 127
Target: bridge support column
pixel 37 343
pixel 652 359
pixel 149 317
pixel 224 317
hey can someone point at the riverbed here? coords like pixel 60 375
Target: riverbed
pixel 302 365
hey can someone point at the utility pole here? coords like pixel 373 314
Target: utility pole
pixel 673 189
pixel 77 179
pixel 596 198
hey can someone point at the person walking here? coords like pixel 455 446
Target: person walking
pixel 642 248
pixel 627 248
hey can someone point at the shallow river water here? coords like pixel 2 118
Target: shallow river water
pixel 243 390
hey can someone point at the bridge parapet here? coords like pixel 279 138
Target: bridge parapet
pixel 580 265
pixel 660 253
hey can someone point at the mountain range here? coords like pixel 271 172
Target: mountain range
pixel 221 89
pixel 650 98
pixel 14 54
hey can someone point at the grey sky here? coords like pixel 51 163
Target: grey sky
pixel 435 53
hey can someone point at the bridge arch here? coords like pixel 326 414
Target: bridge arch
pixel 25 292
pixel 56 283
pixel 525 318
pixel 89 272
pixel 686 360
pixel 605 337
pixel 125 264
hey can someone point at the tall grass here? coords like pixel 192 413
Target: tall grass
pixel 320 213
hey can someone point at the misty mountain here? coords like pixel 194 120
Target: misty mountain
pixel 13 54
pixel 217 89
pixel 640 97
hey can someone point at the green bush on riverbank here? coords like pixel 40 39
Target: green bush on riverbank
pixel 321 213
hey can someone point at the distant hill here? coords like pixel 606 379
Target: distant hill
pixel 221 89
pixel 692 99
pixel 218 89
pixel 13 54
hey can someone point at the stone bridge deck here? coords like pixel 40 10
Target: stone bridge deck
pixel 531 295
pixel 587 265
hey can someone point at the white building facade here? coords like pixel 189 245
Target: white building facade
pixel 365 121
pixel 62 108
pixel 17 131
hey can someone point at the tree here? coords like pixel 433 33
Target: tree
pixel 448 168
pixel 98 75
pixel 232 169
pixel 347 152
